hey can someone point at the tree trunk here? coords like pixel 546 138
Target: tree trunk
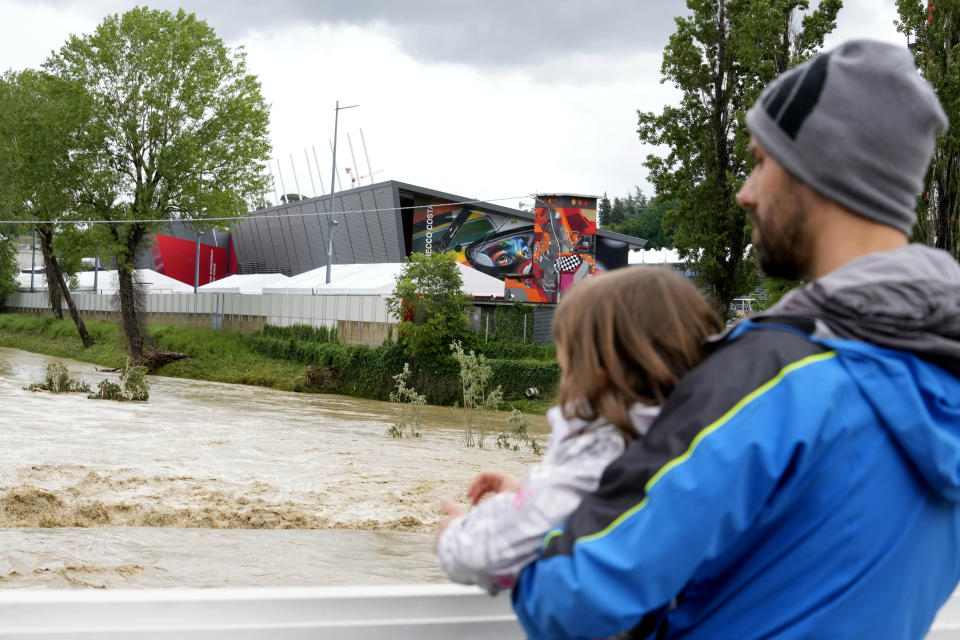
pixel 53 284
pixel 55 279
pixel 132 329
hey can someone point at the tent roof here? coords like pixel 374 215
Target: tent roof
pixel 654 256
pixel 375 279
pixel 245 283
pixel 107 282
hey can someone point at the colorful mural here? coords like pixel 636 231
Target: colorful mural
pixel 537 259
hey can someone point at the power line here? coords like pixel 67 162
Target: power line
pixel 259 214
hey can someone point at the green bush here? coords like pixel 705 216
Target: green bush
pixel 58 380
pixel 107 390
pixel 509 322
pixel 516 376
pixel 515 350
pixel 369 372
pixel 301 333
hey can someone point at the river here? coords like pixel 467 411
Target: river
pixel 211 484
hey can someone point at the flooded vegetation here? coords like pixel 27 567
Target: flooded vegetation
pixel 211 484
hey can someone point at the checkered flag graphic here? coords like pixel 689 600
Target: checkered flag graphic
pixel 568 263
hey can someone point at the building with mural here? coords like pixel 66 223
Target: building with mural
pixel 538 254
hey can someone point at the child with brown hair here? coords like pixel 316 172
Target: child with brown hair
pixel 623 341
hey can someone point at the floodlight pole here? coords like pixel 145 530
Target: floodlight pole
pixel 331 222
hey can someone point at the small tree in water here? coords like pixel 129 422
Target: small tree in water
pixel 409 410
pixel 58 380
pixel 520 432
pixel 134 381
pixel 475 376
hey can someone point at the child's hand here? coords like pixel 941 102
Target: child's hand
pixel 491 482
pixel 453 510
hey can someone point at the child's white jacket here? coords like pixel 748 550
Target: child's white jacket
pixel 490 545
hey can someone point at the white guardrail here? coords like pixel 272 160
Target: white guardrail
pixel 424 612
pixel 407 612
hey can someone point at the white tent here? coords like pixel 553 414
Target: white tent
pixel 654 256
pixel 108 283
pixel 375 279
pixel 250 283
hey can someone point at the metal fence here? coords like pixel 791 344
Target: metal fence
pixel 359 319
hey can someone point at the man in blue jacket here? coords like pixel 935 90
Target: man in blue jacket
pixel 804 481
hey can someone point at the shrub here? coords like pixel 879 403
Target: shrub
pixel 475 376
pixel 302 333
pixel 107 390
pixel 58 380
pixel 520 432
pixel 513 323
pixel 516 351
pixel 409 410
pixel 135 387
pixel 516 376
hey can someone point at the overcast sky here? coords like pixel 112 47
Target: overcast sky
pixel 493 99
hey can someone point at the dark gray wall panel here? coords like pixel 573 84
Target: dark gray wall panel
pixel 351 220
pixel 384 198
pixel 301 241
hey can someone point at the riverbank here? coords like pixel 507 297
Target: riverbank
pixel 222 356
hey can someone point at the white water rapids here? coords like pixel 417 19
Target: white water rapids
pixel 211 484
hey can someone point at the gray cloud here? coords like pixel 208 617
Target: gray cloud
pixel 491 34
pixel 488 33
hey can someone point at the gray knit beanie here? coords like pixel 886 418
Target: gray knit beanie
pixel 858 124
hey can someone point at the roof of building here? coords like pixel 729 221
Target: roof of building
pixel 375 279
pixel 245 283
pixel 107 282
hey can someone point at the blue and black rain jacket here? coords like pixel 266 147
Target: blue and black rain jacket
pixel 794 486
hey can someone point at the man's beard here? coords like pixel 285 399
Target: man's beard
pixel 783 250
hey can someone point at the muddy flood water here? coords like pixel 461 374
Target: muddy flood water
pixel 212 484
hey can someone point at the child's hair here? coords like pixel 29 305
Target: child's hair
pixel 628 336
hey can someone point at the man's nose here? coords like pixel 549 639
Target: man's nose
pixel 746 197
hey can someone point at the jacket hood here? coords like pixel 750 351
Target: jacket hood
pixel 906 299
pixel 907 302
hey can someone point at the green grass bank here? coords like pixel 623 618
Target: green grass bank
pixel 293 359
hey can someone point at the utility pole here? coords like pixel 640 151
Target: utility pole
pixel 33 260
pixel 196 263
pixel 331 223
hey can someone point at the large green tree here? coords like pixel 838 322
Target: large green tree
pixel 41 117
pixel 626 207
pixel 429 302
pixel 936 32
pixel 647 223
pixel 178 132
pixel 720 58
